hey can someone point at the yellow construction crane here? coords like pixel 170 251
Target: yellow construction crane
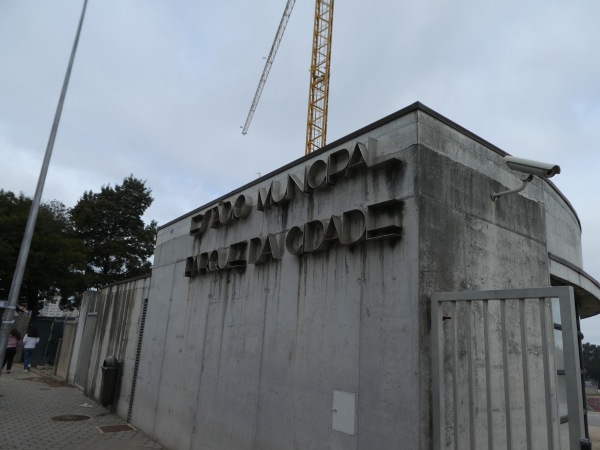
pixel 316 126
pixel 318 96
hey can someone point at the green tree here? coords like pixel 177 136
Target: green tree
pixel 591 361
pixel 110 223
pixel 56 260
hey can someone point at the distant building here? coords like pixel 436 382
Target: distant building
pixel 52 309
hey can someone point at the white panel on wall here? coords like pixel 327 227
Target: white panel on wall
pixel 344 412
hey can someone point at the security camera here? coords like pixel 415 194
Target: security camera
pixel 530 167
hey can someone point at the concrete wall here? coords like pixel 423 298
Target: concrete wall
pixel 117 313
pixel 232 350
pixel 254 358
pixel 562 221
pixel 74 356
pixel 467 242
pixel 65 351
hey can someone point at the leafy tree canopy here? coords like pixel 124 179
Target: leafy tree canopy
pixel 56 261
pixel 591 361
pixel 111 226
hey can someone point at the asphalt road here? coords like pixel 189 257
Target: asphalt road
pixel 594 418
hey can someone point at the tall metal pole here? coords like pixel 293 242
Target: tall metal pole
pixel 15 287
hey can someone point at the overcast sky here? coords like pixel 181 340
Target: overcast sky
pixel 160 89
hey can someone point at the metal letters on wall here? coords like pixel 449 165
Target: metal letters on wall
pixel 377 221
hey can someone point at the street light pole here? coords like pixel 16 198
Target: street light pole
pixel 15 287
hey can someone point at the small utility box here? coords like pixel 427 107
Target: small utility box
pixel 344 415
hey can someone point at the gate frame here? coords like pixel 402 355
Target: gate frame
pixel 570 341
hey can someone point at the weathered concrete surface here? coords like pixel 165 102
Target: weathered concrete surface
pixel 66 350
pixel 467 242
pixel 562 221
pixel 115 331
pixel 253 357
pixel 249 359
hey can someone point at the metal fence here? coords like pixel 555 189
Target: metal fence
pixel 506 370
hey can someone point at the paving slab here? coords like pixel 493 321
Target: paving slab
pixel 37 412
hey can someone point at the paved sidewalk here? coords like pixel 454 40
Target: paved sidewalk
pixel 29 402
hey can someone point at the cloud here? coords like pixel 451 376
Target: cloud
pixel 160 89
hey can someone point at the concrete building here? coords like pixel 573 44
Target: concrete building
pixel 52 309
pixel 370 295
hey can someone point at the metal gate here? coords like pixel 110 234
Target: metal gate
pixel 506 371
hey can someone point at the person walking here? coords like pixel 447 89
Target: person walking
pixel 29 342
pixel 14 339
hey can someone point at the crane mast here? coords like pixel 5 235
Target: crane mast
pixel 318 96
